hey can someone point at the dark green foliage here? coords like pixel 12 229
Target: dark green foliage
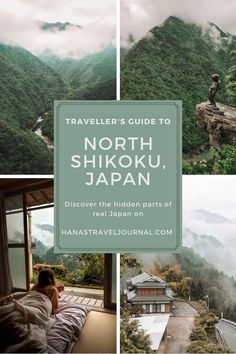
pixel 100 91
pixel 91 78
pixel 129 261
pixel 51 257
pixel 23 152
pixel 47 125
pixel 200 167
pixel 197 290
pixel 207 281
pixel 27 86
pixel 207 347
pixel 91 269
pixel 173 274
pixel 207 321
pixel 225 161
pixel 132 338
pixel 94 68
pixel 58 269
pixel 57 26
pixel 198 333
pixel 218 162
pixel 84 269
pixel 231 80
pixel 175 62
pixel 83 75
pixel 27 89
pixel 39 250
pixel 203 334
pixel 36 259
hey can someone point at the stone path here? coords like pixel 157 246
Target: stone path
pixel 179 328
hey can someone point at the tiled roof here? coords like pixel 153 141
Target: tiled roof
pixel 151 298
pixel 151 284
pixel 146 277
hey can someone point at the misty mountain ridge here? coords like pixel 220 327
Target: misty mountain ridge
pixel 28 87
pixel 46 227
pixel 206 279
pixel 219 254
pixel 210 32
pixel 57 26
pixel 193 240
pixel 175 61
pixel 217 36
pixel 209 217
pixel 40 248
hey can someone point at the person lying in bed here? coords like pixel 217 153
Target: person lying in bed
pixel 46 285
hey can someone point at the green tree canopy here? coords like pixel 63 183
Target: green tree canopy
pixel 231 80
pixel 132 338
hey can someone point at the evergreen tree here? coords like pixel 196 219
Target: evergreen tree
pixel 91 269
pixel 132 338
pixel 231 80
pixel 129 261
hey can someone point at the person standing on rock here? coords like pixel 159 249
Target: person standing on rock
pixel 213 89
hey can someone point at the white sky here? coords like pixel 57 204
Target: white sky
pixel 139 16
pixel 39 217
pixel 18 25
pixel 216 194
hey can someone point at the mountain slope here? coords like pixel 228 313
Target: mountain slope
pixel 57 26
pixel 85 73
pixel 176 61
pixel 27 86
pixel 206 280
pixel 217 250
pixel 23 152
pixel 91 78
pixel 27 90
pixel 209 217
pixel 40 249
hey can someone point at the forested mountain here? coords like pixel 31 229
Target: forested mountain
pixel 23 152
pixel 89 71
pixel 206 280
pixel 28 87
pixel 175 61
pixel 193 276
pixel 91 78
pixel 105 90
pixel 40 249
pixel 57 26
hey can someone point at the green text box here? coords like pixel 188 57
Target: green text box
pixel 117 176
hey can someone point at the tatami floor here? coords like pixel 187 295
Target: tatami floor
pixel 98 334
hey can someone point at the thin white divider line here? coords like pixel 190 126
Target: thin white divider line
pixel 26 176
pixel 118 303
pixel 118 50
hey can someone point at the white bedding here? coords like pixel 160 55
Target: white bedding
pixel 24 324
pixel 28 327
pixel 68 324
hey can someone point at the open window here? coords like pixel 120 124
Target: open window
pixel 29 222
